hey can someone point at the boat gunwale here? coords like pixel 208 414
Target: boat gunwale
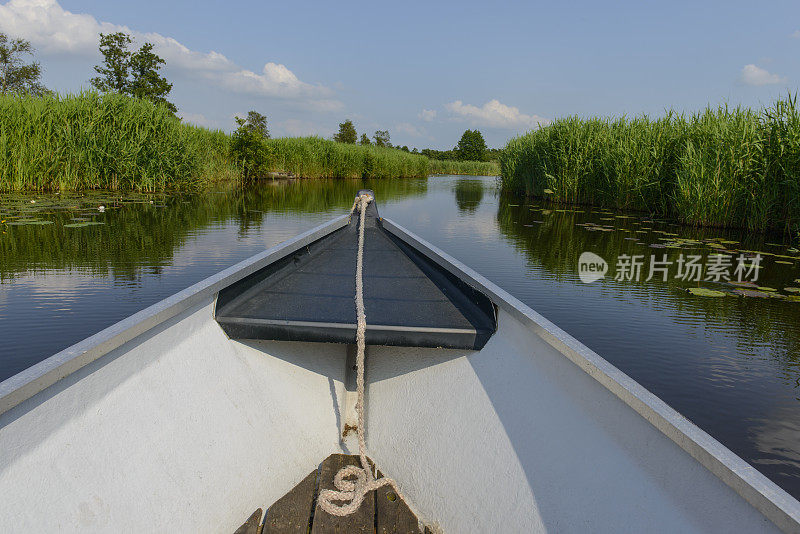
pixel 40 376
pixel 775 503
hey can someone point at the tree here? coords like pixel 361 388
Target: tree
pixel 471 147
pixel 347 133
pixel 145 80
pixel 365 140
pixel 438 154
pixel 15 75
pixel 257 123
pixel 382 138
pixel 115 71
pixel 248 148
pixel 131 73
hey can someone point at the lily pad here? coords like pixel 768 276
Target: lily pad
pixel 784 262
pixel 82 224
pixel 792 289
pixel 29 223
pixel 761 288
pixel 704 292
pixel 753 293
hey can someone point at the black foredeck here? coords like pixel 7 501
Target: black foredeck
pixel 297 512
pixel 409 300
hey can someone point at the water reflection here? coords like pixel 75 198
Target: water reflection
pixel 143 232
pixel 469 193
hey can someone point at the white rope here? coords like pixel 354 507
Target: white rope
pixel 354 491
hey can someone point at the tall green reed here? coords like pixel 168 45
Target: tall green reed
pixel 720 167
pixel 105 141
pixel 474 168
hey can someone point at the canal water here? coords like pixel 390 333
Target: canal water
pixel 71 265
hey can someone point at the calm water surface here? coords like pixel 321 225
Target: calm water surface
pixel 731 365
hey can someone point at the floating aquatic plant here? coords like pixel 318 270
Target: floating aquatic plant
pixel 704 292
pixel 29 223
pixel 754 293
pixel 83 224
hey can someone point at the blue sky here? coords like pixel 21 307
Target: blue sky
pixel 426 71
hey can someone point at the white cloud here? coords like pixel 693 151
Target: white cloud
pixel 427 115
pixel 197 119
pixel 409 129
pixel 55 30
pixel 754 75
pixel 300 128
pixel 48 26
pixel 495 115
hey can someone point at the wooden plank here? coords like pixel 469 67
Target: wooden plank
pixel 393 516
pixel 291 514
pixel 251 525
pixel 360 521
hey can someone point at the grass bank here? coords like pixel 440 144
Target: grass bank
pixel 315 157
pixel 90 141
pixel 110 141
pixel 474 168
pixel 720 167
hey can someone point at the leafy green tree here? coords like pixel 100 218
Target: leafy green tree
pixel 145 82
pixel 115 70
pixel 365 140
pixel 16 76
pixel 382 138
pixel 249 150
pixel 471 147
pixel 131 73
pixel 439 154
pixel 257 123
pixel 347 133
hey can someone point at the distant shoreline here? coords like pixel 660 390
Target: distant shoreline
pixel 114 142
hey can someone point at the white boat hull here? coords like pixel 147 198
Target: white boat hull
pixel 168 425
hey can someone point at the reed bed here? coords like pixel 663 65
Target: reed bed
pixel 474 168
pixel 724 167
pixel 315 157
pixel 109 141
